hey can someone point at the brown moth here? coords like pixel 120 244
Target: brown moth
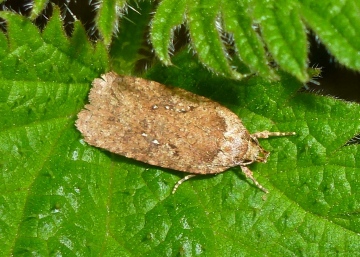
pixel 168 127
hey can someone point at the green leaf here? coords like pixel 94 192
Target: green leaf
pixel 169 14
pixel 206 38
pixel 124 49
pixel 217 26
pixel 248 44
pixel 37 7
pixel 42 88
pixel 337 24
pixel 107 18
pixel 60 196
pixel 282 33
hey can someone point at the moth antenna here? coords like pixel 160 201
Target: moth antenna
pixel 181 181
pixel 267 134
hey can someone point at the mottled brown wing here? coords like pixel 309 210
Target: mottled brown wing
pixel 163 126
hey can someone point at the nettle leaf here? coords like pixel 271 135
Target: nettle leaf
pixel 206 40
pixel 169 15
pixel 284 35
pixel 337 24
pixel 126 47
pixel 107 18
pixel 261 32
pixel 44 81
pixel 248 43
pixel 282 32
pixel 60 196
pixel 37 7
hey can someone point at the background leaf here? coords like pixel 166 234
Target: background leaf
pixel 337 24
pixel 255 32
pixel 37 7
pixel 42 82
pixel 60 196
pixel 284 35
pixel 201 20
pixel 127 47
pixel 107 18
pixel 170 14
pixel 280 26
pixel 248 43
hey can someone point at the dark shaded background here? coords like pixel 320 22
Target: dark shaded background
pixel 335 80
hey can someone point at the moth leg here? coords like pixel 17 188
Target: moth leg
pixel 248 173
pixel 181 181
pixel 267 134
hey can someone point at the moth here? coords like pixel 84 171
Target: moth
pixel 168 127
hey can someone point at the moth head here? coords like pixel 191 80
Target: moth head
pixel 255 153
